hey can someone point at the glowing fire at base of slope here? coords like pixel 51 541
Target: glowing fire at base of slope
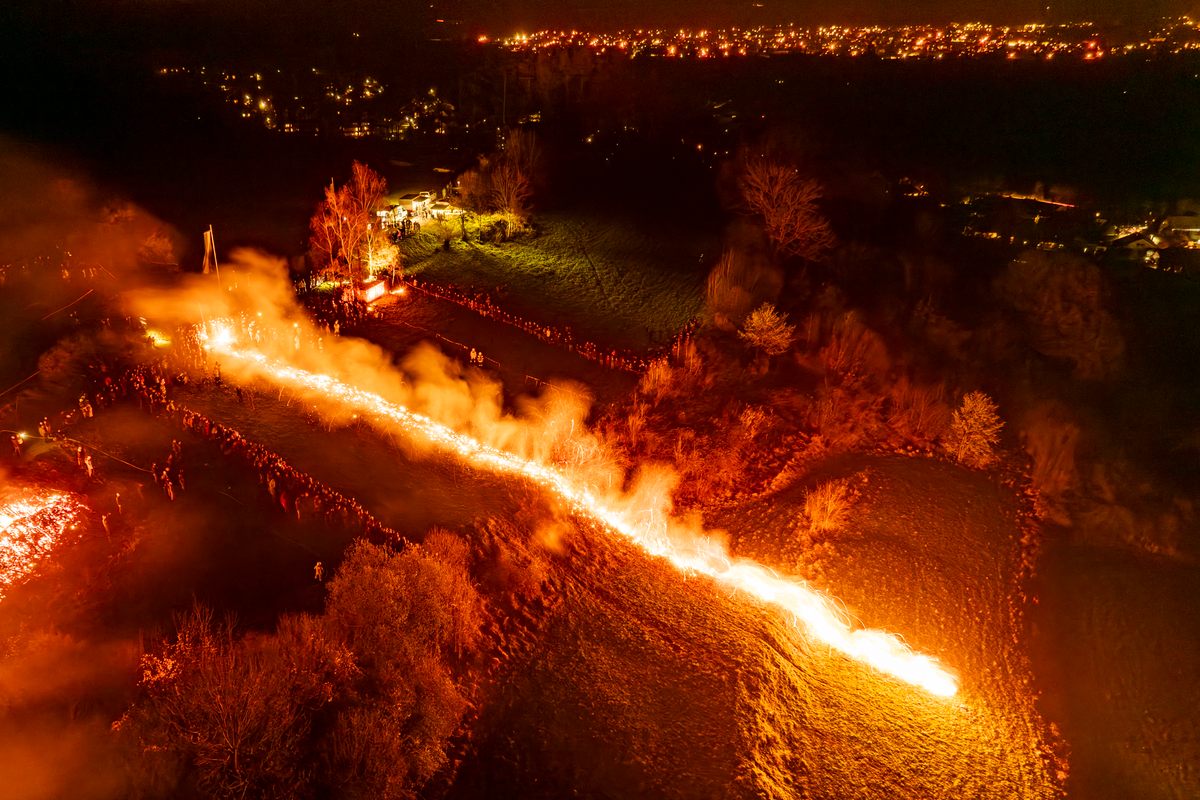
pixel 30 527
pixel 815 612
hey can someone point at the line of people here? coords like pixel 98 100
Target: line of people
pixel 295 492
pixel 482 304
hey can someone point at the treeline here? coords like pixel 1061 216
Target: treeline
pixel 817 345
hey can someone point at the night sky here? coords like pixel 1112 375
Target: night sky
pixel 508 16
pixel 613 13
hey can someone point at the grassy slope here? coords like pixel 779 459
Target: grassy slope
pixel 1117 640
pixel 616 282
pixel 645 682
pixel 930 552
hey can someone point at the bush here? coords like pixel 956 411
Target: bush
pixel 845 418
pixel 1063 300
pixel 768 330
pixel 367 692
pixel 1050 438
pixel 916 414
pixel 657 379
pixel 855 354
pixel 974 431
pixel 239 712
pixel 827 505
pixel 743 278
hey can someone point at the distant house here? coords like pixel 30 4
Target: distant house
pixel 1184 226
pixel 389 216
pixel 1142 246
pixel 1139 242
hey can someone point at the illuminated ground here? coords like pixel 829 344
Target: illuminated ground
pixel 640 681
pixel 624 678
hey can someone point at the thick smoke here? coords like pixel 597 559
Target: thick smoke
pixel 549 428
pixel 51 219
pixel 256 290
pixel 457 404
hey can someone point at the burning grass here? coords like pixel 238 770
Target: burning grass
pixel 32 523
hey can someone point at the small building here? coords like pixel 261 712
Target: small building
pixel 415 202
pixel 389 216
pixel 442 210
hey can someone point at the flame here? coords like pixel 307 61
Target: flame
pixel 158 338
pixel 815 612
pixel 30 527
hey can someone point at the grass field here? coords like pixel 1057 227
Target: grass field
pixel 621 283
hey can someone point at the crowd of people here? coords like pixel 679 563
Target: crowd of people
pixel 334 310
pixel 294 492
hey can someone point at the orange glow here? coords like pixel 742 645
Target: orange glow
pixel 158 339
pixel 817 614
pixel 373 292
pixel 30 527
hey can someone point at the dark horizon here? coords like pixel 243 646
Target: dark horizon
pixel 317 18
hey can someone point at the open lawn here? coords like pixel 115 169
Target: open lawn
pixel 621 283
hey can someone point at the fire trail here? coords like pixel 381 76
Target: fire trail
pixel 31 524
pixel 816 613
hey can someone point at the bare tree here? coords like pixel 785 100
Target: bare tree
pixel 340 228
pixel 522 150
pixel 787 203
pixel 475 189
pixel 511 190
pixel 239 711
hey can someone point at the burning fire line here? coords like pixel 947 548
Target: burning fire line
pixel 30 527
pixel 817 613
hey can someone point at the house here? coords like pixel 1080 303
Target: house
pixel 1141 246
pixel 1184 227
pixel 1139 242
pixel 390 216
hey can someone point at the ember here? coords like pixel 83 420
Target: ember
pixel 30 527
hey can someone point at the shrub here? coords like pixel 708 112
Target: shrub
pixel 768 330
pixel 827 505
pixel 917 414
pixel 657 379
pixel 1063 302
pixel 742 278
pixel 1050 438
pixel 239 712
pixel 753 419
pixel 974 431
pixel 845 418
pixel 855 354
